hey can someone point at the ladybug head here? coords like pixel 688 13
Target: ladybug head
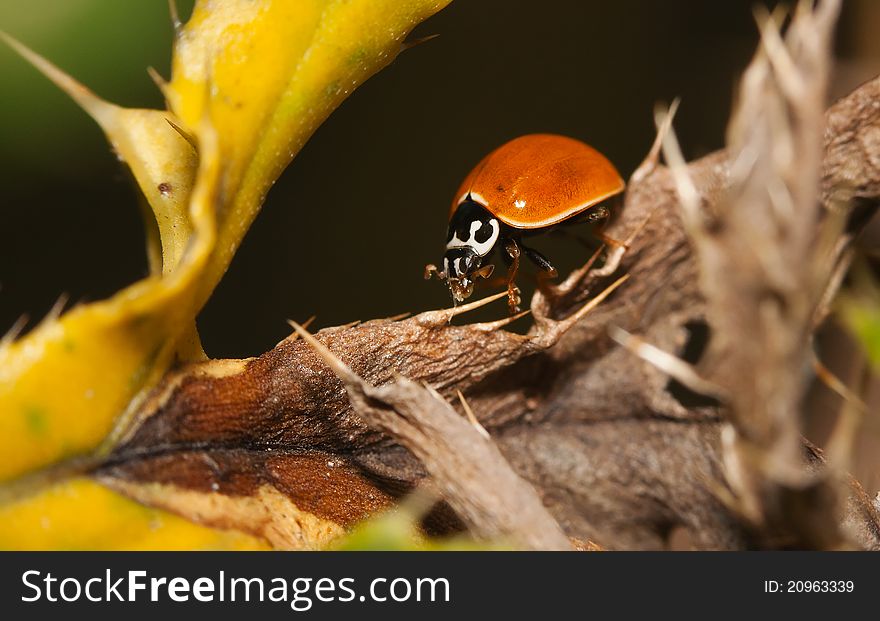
pixel 459 265
pixel 462 266
pixel 473 233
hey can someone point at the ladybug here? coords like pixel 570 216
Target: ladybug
pixel 527 186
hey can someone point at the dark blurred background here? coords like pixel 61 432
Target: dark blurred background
pixel 346 231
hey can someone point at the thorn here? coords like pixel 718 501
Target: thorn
pixel 397 317
pixel 160 82
pixel 444 316
pixel 838 447
pixel 593 258
pixel 471 417
pixel 96 107
pixel 586 308
pixel 828 11
pixel 649 164
pixel 687 191
pixel 427 387
pixel 184 134
pixel 14 331
pixel 342 370
pixel 672 366
pixel 175 16
pixel 834 383
pixel 575 278
pixel 777 54
pixel 491 326
pixel 408 45
pixel 55 312
pixel 304 324
pixel 612 262
pixel 550 331
pixel 737 450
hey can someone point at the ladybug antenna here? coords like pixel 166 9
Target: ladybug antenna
pixel 431 270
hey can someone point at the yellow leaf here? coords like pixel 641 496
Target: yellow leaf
pixel 252 80
pixel 80 514
pixel 163 163
pixel 64 384
pixel 270 72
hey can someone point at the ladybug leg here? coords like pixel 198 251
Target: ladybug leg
pixel 547 272
pixel 540 260
pixel 512 252
pixel 602 213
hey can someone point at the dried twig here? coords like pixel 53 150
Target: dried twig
pixel 763 277
pixel 474 477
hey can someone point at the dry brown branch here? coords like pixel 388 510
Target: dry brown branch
pixel 763 271
pixel 617 452
pixel 473 476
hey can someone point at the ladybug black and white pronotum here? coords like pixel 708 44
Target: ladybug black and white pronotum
pixel 527 186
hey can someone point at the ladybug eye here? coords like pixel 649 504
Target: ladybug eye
pixel 469 263
pixel 456 270
pixel 466 265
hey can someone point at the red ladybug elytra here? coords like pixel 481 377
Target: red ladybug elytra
pixel 525 187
